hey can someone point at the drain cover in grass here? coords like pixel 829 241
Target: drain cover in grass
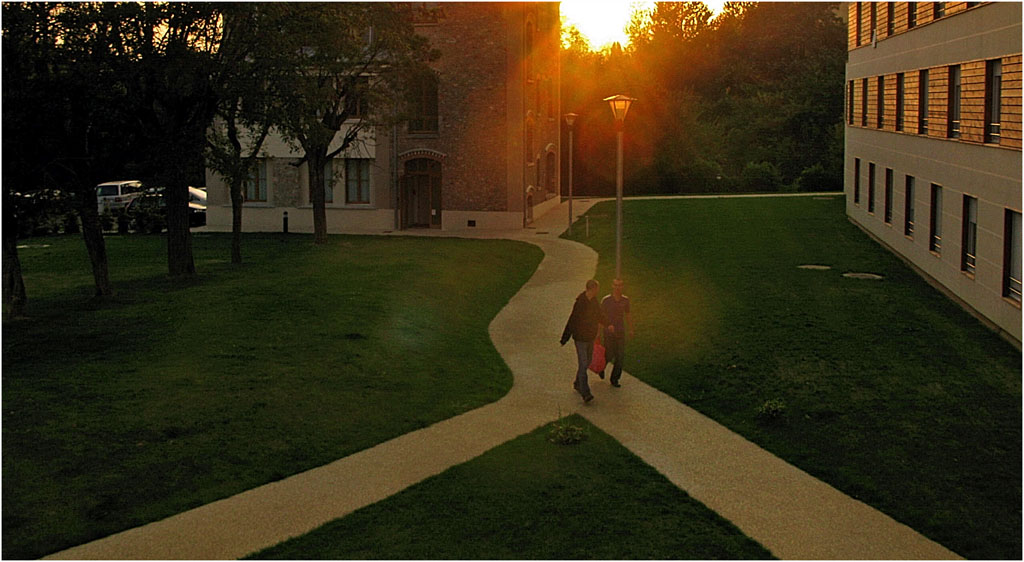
pixel 870 276
pixel 815 267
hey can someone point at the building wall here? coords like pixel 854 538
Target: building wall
pixel 486 99
pixel 489 95
pixel 966 165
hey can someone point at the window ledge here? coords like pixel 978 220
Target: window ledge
pixel 352 207
pixel 1012 302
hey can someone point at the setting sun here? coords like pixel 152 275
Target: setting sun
pixel 604 22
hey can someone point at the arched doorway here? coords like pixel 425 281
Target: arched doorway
pixel 421 194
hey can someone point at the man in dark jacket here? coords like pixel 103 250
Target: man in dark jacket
pixel 583 325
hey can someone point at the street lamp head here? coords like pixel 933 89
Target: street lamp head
pixel 570 118
pixel 620 105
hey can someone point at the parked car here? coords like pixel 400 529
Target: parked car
pixel 112 196
pixel 196 206
pixel 148 211
pixel 44 211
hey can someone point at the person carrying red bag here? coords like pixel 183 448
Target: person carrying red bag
pixel 584 322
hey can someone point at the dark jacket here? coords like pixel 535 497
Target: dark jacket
pixel 585 318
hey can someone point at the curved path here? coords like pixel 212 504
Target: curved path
pixel 791 513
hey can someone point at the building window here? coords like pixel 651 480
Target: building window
pixel 940 9
pixel 900 93
pixel 329 181
pixel 890 17
pixel 871 187
pixel 864 102
pixel 922 104
pixel 888 196
pixel 880 119
pixel 355 101
pixel 528 144
pixel 874 21
pixel 935 233
pixel 551 99
pixel 357 181
pixel 993 99
pixel 908 209
pixel 969 246
pixel 529 51
pixel 850 101
pixel 860 6
pixel 256 186
pixel 551 169
pixel 423 105
pixel 953 130
pixel 1011 256
pixel 911 14
pixel 856 181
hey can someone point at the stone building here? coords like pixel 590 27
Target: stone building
pixel 481 150
pixel 933 145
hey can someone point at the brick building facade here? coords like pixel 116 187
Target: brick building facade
pixel 481 150
pixel 933 145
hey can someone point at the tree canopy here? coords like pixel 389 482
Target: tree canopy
pixel 750 100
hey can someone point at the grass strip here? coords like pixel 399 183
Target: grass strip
pixel 888 390
pixel 172 395
pixel 533 499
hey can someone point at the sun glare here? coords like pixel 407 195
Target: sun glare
pixel 604 22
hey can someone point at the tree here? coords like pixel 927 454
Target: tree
pixel 356 57
pixel 250 105
pixel 56 60
pixel 173 73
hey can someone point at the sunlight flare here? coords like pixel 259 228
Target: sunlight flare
pixel 604 22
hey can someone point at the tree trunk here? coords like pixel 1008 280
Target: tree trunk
pixel 179 238
pixel 92 233
pixel 236 222
pixel 14 284
pixel 315 159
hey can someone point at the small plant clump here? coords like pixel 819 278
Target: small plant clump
pixel 563 433
pixel 772 411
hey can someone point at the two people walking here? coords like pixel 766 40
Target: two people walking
pixel 587 320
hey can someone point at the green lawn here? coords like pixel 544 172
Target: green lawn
pixel 893 394
pixel 172 395
pixel 532 499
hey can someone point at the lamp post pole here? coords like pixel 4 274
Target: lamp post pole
pixel 620 105
pixel 618 201
pixel 570 118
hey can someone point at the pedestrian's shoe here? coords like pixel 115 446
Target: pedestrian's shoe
pixel 588 398
pixel 616 384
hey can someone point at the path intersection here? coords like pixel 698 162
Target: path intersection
pixel 791 513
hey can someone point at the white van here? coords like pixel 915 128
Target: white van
pixel 114 195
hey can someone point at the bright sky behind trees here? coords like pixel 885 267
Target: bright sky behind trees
pixel 604 22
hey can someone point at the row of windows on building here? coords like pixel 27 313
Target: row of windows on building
pixel 356 180
pixel 969 224
pixel 874 21
pixel 968 101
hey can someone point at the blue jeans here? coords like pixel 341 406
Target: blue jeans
pixel 584 352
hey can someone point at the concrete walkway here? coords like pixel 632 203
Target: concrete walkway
pixel 791 513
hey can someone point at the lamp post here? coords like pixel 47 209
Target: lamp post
pixel 570 119
pixel 620 105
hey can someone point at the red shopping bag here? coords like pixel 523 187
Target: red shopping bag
pixel 597 361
